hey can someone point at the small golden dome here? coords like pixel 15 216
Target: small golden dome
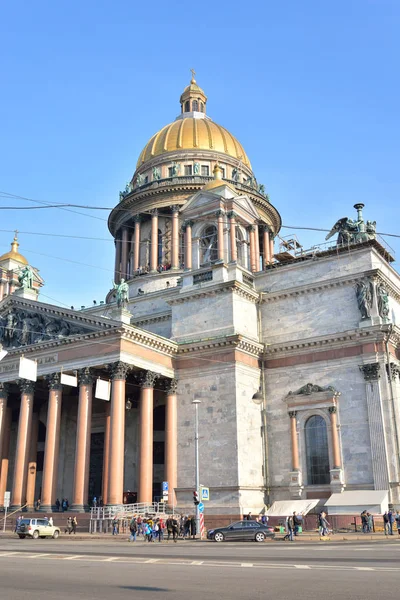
pixel 14 254
pixel 217 181
pixel 192 133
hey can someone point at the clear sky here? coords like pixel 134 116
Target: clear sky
pixel 310 88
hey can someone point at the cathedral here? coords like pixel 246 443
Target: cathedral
pixel 289 356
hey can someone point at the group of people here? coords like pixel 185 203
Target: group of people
pixel 293 524
pixel 367 522
pixel 323 524
pixel 72 523
pixel 389 519
pixel 153 529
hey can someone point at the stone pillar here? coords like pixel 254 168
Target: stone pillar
pixel 266 246
pixel 119 371
pixel 154 241
pixel 3 412
pixel 379 457
pixel 32 466
pixel 106 455
pixel 257 247
pixel 5 455
pixel 188 245
pixel 117 269
pixel 175 237
pixel 232 221
pixel 82 448
pixel 50 464
pixel 271 247
pixel 136 248
pixel 296 480
pixel 23 443
pixel 146 438
pixel 220 228
pixel 171 441
pixel 337 461
pixel 124 254
pixel 252 249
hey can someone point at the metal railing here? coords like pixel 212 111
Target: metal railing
pixel 122 511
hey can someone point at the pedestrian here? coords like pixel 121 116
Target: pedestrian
pixel 139 525
pixel 186 527
pixel 169 527
pixel 115 526
pixel 64 505
pixel 264 519
pixel 391 521
pixel 58 504
pixel 38 503
pixel 386 526
pixel 74 524
pixel 17 523
pixel 370 520
pixel 193 528
pixel 94 502
pixel 161 530
pixel 364 521
pixel 175 529
pixel 69 526
pixel 51 521
pixel 148 532
pixel 248 516
pixel 296 523
pixel 324 524
pixel 133 530
pixel 397 518
pixel 289 529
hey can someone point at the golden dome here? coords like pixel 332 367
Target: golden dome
pixel 14 254
pixel 190 133
pixel 217 181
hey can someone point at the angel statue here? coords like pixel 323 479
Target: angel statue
pixel 122 293
pixel 346 228
pixel 364 293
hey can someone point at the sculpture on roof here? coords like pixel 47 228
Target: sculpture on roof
pixel 122 289
pixel 25 278
pixel 351 231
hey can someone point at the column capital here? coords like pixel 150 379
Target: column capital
pixel 119 370
pixel 371 371
pixel 393 371
pixel 4 390
pixel 175 208
pixel 85 376
pixel 54 381
pixel 232 215
pixel 172 386
pixel 293 414
pixel 220 213
pixel 148 379
pixel 265 227
pixel 154 212
pixel 251 228
pixel 332 409
pixel 187 224
pixel 137 218
pixel 26 386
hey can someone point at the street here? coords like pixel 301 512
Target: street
pixel 48 569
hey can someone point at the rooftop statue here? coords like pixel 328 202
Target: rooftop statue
pixel 351 231
pixel 25 278
pixel 122 293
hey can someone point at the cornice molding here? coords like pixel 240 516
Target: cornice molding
pixel 234 342
pixel 149 340
pixel 154 318
pixel 235 287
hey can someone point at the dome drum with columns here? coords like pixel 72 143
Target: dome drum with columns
pixel 179 161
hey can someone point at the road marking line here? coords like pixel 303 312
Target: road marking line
pixel 80 556
pixel 197 562
pixel 9 553
pixel 364 568
pixel 302 567
pixel 109 559
pixel 246 564
pixel 152 560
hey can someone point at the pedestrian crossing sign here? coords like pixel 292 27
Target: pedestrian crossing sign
pixel 205 494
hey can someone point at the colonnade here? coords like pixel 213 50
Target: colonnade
pixel 335 444
pixel 127 251
pixel 23 483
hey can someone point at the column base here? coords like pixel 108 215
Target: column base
pixel 337 481
pixel 296 484
pixel 79 508
pixel 48 508
pixel 16 507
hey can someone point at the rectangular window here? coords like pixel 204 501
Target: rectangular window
pixel 170 171
pixel 146 179
pixel 223 172
pixel 205 170
pixel 188 169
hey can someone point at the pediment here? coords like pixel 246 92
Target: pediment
pixel 245 204
pixel 200 201
pixel 25 323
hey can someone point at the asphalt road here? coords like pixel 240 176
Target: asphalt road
pixel 55 569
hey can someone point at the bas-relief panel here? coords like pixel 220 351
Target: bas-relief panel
pixel 217 426
pixel 354 432
pixel 314 314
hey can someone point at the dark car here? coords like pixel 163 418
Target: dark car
pixel 242 530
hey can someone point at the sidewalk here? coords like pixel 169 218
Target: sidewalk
pixel 303 537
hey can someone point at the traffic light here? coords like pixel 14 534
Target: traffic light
pixel 196 500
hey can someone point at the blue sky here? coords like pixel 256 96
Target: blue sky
pixel 311 89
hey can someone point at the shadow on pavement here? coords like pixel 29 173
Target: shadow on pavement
pixel 143 588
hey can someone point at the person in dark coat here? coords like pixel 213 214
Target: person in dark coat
pixel 193 529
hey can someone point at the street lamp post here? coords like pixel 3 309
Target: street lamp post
pixel 196 403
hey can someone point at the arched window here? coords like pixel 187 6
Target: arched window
pixel 195 105
pixel 201 107
pixel 317 452
pixel 187 106
pixel 209 245
pixel 159 254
